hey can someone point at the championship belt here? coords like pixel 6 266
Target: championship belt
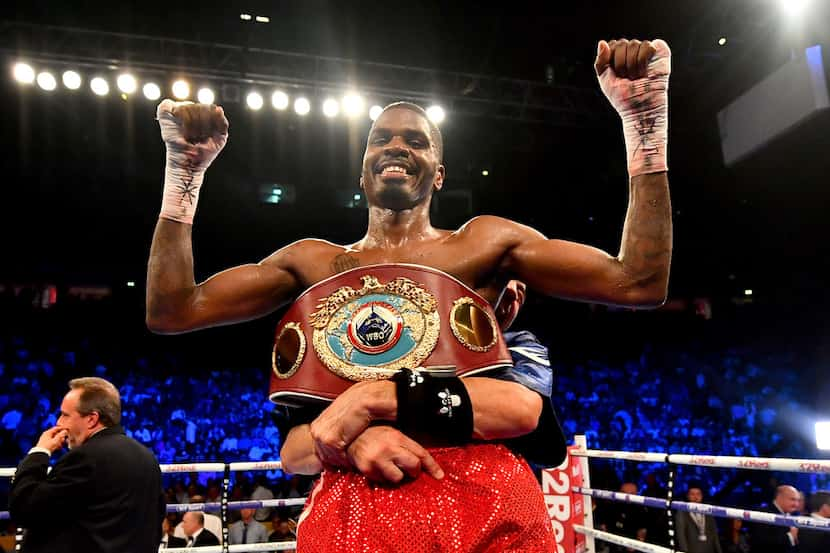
pixel 367 323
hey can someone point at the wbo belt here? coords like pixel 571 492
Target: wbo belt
pixel 369 322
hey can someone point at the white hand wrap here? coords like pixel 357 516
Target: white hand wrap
pixel 643 105
pixel 186 164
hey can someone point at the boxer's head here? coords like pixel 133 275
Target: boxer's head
pixel 511 300
pixel 402 163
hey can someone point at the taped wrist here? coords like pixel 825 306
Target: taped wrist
pixel 437 407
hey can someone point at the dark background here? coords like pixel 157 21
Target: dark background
pixel 83 175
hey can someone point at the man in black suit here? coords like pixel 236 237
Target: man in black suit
pixel 193 524
pixel 766 538
pixel 696 533
pixel 168 540
pixel 104 495
pixel 816 541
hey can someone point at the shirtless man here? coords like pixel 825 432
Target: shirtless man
pixel 401 170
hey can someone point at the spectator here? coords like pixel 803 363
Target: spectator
pixel 696 532
pixel 247 530
pixel 193 524
pixel 816 541
pixel 766 538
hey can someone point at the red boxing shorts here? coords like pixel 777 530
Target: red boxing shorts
pixel 488 501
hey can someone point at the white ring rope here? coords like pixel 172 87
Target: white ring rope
pixel 706 509
pixel 637 545
pixel 235 505
pixel 813 466
pixel 237 548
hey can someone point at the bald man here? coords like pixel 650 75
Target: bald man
pixel 767 538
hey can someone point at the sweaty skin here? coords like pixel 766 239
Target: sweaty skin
pixel 401 170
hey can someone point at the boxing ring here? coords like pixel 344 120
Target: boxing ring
pixel 567 490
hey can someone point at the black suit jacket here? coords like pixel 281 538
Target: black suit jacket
pixel 688 539
pixel 766 538
pixel 206 537
pixel 102 497
pixel 173 541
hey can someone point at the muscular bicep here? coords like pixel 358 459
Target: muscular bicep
pixel 572 271
pixel 242 293
pixel 238 294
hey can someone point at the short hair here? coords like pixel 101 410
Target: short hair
pixel 434 131
pixel 98 396
pixel 819 499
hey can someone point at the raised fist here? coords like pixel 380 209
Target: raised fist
pixel 194 135
pixel 199 131
pixel 634 76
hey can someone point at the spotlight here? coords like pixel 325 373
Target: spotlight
pixel 254 100
pixel 794 8
pixel 126 83
pixel 330 107
pixel 374 112
pixel 302 106
pixel 262 19
pixel 353 105
pixel 436 114
pixel 99 86
pixel 46 81
pixel 823 435
pixel 181 90
pixel 23 73
pixel 152 91
pixel 356 197
pixel 484 172
pixel 205 96
pixel 245 16
pixel 71 80
pixel 279 100
pixel 722 41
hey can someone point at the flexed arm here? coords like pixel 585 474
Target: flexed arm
pixel 194 134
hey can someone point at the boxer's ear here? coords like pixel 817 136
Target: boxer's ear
pixel 361 183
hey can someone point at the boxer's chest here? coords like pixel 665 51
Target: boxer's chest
pixel 475 265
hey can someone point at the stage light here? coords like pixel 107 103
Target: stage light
pixel 722 41
pixel 263 19
pixel 436 114
pixel 374 112
pixel 152 91
pixel 794 8
pixel 254 100
pixel 205 96
pixel 823 435
pixel 71 80
pixel 126 83
pixel 99 86
pixel 130 284
pixel 484 172
pixel 245 16
pixel 330 107
pixel 356 197
pixel 181 90
pixel 46 81
pixel 747 292
pixel 302 106
pixel 353 105
pixel 23 73
pixel 279 100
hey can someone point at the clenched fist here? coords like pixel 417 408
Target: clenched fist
pixel 194 134
pixel 634 76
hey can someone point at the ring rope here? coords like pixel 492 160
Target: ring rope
pixel 234 505
pixel 813 466
pixel 237 548
pixel 637 545
pixel 707 509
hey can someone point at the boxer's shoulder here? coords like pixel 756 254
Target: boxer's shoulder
pixel 496 229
